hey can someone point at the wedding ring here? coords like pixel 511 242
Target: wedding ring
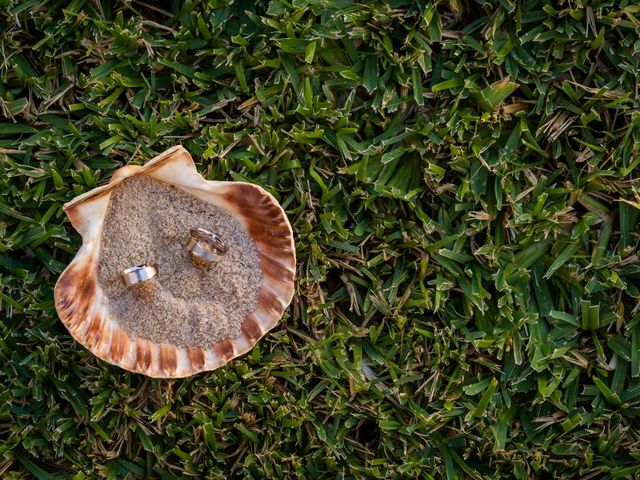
pixel 138 274
pixel 205 247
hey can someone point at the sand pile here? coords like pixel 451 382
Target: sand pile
pixel 148 222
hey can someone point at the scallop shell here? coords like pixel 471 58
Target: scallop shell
pixel 81 304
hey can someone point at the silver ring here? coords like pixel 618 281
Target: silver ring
pixel 209 238
pixel 205 247
pixel 138 274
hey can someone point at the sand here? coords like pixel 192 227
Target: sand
pixel 148 222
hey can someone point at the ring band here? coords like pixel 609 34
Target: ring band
pixel 138 274
pixel 209 238
pixel 198 250
pixel 205 247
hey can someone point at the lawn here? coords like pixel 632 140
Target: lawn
pixel 463 182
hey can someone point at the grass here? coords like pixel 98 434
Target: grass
pixel 462 180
